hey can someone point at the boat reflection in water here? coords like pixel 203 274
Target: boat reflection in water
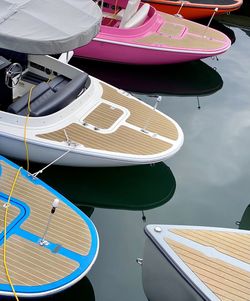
pixel 83 289
pixel 239 21
pixel 192 78
pixel 130 188
pixel 216 24
pixel 245 220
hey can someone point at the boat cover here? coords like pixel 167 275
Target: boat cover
pixel 47 27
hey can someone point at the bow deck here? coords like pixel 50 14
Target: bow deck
pixel 36 269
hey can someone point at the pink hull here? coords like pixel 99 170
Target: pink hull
pixel 128 54
pixel 162 39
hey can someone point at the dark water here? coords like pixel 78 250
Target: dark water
pixel 206 183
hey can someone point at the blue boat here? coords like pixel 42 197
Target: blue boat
pixel 47 244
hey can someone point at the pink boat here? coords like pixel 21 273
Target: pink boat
pixel 136 33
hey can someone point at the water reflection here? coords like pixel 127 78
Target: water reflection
pixel 235 20
pixel 244 224
pixel 192 78
pixel 82 290
pixel 132 188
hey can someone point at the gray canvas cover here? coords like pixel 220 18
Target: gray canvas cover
pixel 47 26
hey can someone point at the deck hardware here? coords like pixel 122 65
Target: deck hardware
pixel 209 22
pixel 55 205
pixel 67 137
pixel 178 15
pixel 158 229
pixel 139 261
pixel 144 131
pixel 158 100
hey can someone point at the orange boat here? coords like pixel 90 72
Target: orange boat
pixel 195 9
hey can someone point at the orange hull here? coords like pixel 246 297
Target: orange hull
pixel 193 11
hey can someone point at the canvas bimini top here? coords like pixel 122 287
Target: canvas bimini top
pixel 47 27
pixel 41 263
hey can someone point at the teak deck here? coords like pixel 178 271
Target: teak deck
pixel 225 279
pixel 183 34
pixel 29 263
pixel 117 124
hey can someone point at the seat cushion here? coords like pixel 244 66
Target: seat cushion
pixel 22 103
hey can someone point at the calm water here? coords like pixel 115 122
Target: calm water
pixel 208 179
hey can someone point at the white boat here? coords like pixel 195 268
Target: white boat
pixel 191 263
pixel 52 111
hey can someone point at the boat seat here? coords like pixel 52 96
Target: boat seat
pixel 41 90
pixel 50 97
pixel 130 10
pixel 58 83
pixel 139 17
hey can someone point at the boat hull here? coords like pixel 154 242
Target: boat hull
pixel 162 39
pixel 186 263
pixel 191 11
pixel 44 153
pixel 134 54
pixel 161 281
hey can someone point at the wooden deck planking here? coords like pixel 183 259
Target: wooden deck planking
pixel 194 28
pixel 140 114
pixel 31 264
pixel 67 228
pixel 104 116
pixel 172 29
pixel 13 212
pixel 196 36
pixel 238 248
pixel 224 280
pixel 123 140
pixel 189 41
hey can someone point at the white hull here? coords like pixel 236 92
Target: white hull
pixel 43 153
pixel 100 126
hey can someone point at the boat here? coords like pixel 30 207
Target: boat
pixel 133 32
pixel 146 186
pixel 194 78
pixel 195 9
pixel 52 112
pixel 187 263
pixel 47 243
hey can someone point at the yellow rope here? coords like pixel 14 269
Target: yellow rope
pixel 25 130
pixel 5 234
